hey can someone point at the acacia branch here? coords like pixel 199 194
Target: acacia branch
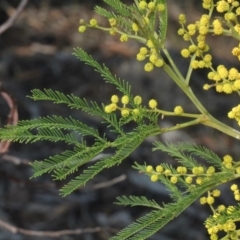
pixel 14 17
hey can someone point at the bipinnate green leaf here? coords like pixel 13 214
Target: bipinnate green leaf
pixel 152 222
pixel 137 201
pixel 125 145
pixel 121 85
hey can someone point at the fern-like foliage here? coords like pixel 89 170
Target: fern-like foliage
pixel 137 201
pixel 73 132
pixel 180 151
pixel 149 224
pixel 121 85
pixel 119 7
pixel 163 21
pixel 127 15
pixel 182 194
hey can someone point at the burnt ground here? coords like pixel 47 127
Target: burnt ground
pixel 37 53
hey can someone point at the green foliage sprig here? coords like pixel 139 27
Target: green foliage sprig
pixel 198 170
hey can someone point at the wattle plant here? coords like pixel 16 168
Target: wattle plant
pixel 191 179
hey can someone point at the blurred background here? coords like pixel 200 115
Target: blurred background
pixel 36 52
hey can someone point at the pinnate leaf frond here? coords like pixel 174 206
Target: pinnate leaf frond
pixel 121 8
pixel 175 151
pixel 149 224
pixel 137 201
pixel 73 101
pixel 163 21
pixel 125 146
pixel 121 85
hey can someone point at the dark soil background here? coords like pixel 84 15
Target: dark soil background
pixel 37 53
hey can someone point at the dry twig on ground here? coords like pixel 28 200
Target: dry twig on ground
pixel 14 17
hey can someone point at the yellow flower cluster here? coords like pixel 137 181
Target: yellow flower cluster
pixel 228 227
pixel 225 23
pixel 228 161
pixel 223 218
pixel 236 193
pixel 196 176
pixel 152 104
pixel 135 30
pixel 226 81
pixel 235 114
pixel 125 111
pixel 210 198
pixel 150 51
pixel 196 50
pixel 153 56
pixel 178 110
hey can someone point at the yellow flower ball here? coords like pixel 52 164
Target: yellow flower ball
pixel 216 193
pixel 199 181
pixel 192 48
pixel 210 200
pixel 203 200
pixel 142 5
pixel 227 88
pixel 222 71
pixel 206 86
pixel 152 103
pixel 154 178
pixel 160 7
pixel 137 100
pixel 107 109
pixel 194 64
pixel 188 180
pixel 143 50
pixel 135 27
pixel 182 19
pixel 211 170
pixel 93 22
pixel 148 67
pixel 227 159
pixel 233 74
pixel 125 113
pixel 151 5
pixel 112 22
pixel 234 187
pixel 159 169
pixel 173 179
pixel 221 208
pixel 135 112
pixel 150 43
pixel 149 168
pixel 113 107
pixel 125 100
pixel 114 99
pixel 82 29
pixel 178 110
pixel 159 63
pixel 181 32
pixel 140 57
pixel 207 58
pixel 124 38
pixel 217 27
pixel 153 58
pixel 185 53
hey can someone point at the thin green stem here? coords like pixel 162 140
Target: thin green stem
pixel 190 69
pixel 175 68
pixel 208 119
pixel 182 125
